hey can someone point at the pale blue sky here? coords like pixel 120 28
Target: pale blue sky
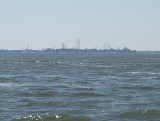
pixel 49 23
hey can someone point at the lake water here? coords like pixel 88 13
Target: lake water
pixel 79 87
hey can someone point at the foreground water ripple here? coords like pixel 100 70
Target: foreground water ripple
pixel 79 87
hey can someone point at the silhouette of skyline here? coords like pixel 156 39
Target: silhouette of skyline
pixel 47 24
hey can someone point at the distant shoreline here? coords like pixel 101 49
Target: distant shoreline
pixel 125 50
pixel 81 51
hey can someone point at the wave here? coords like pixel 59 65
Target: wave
pixel 138 87
pixel 10 84
pixel 83 88
pixel 138 72
pixel 46 93
pixel 58 63
pixel 55 117
pixel 87 94
pixel 140 114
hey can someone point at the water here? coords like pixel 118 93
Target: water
pixel 79 87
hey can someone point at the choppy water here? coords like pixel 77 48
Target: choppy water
pixel 79 87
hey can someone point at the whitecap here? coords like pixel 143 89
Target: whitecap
pixel 136 72
pixel 10 84
pixel 37 61
pixel 57 63
pixel 152 73
pixel 57 116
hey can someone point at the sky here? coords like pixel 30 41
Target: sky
pixel 49 23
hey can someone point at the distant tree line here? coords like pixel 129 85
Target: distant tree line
pixel 111 50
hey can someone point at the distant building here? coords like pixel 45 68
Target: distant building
pixel 27 47
pixel 63 46
pixel 78 44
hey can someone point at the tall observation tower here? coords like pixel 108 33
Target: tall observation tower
pixel 78 44
pixel 27 46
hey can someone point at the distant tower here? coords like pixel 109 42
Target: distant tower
pixel 22 47
pixel 78 44
pixel 27 47
pixel 63 46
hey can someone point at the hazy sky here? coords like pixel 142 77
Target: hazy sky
pixel 49 23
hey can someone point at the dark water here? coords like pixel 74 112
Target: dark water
pixel 79 87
